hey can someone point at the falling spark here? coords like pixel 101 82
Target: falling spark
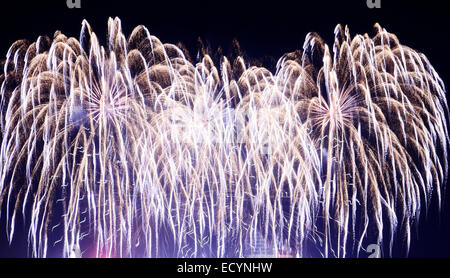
pixel 150 155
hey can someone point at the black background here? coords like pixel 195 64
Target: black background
pixel 263 28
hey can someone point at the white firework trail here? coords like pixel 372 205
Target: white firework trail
pixel 133 145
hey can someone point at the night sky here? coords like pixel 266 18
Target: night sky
pixel 266 30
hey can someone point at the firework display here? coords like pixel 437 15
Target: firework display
pixel 135 148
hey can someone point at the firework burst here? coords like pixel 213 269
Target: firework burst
pixel 148 154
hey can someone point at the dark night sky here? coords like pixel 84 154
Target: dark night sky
pixel 262 28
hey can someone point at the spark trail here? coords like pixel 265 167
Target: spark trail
pixel 148 154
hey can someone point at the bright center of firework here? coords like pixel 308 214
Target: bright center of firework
pixel 107 108
pixel 107 101
pixel 152 155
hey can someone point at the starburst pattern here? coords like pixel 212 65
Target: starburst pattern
pixel 149 154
